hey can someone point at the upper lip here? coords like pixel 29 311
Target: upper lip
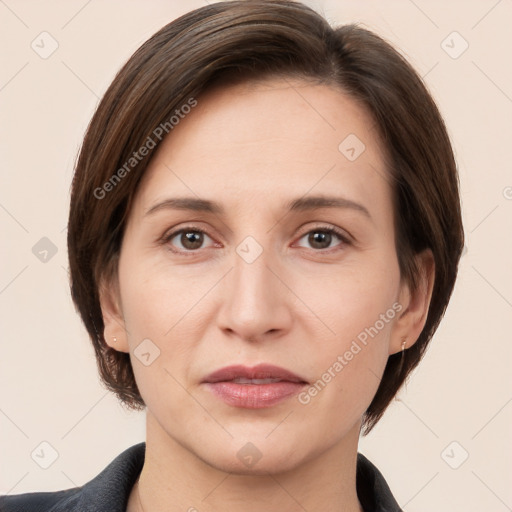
pixel 261 371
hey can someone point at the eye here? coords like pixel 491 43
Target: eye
pixel 321 238
pixel 188 239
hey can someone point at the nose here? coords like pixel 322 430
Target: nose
pixel 256 303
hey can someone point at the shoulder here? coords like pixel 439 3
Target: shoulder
pixel 108 491
pixel 372 489
pixel 38 501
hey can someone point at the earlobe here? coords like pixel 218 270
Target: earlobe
pixel 114 325
pixel 114 342
pixel 416 303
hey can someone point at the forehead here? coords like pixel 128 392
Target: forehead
pixel 268 137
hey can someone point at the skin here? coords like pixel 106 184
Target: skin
pixel 253 148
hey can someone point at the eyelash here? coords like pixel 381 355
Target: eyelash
pixel 321 229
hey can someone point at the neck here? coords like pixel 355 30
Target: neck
pixel 174 479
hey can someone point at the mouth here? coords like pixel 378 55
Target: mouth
pixel 254 388
pixel 243 380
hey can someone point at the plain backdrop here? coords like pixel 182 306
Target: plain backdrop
pixel 445 444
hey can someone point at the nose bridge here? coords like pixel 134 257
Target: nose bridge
pixel 251 275
pixel 255 300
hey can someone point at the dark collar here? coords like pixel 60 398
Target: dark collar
pixel 372 489
pixel 109 491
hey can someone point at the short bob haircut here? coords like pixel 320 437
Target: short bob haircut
pixel 238 41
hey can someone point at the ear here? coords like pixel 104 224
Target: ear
pixel 115 332
pixel 415 304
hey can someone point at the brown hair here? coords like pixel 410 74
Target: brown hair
pixel 244 40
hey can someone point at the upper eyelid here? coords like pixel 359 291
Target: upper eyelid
pixel 171 233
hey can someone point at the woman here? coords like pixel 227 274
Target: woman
pixel 264 235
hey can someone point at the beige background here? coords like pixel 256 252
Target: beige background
pixel 48 381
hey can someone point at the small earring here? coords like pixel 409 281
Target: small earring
pixel 401 364
pixel 114 338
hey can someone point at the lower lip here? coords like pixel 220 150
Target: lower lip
pixel 254 396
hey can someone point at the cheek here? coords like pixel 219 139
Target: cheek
pixel 354 296
pixel 349 366
pixel 157 296
pixel 359 307
pixel 162 305
pixel 160 336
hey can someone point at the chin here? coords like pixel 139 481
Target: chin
pixel 255 455
pixel 268 464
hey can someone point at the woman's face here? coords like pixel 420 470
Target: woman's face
pixel 246 272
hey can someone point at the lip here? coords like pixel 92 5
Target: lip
pixel 254 395
pixel 261 371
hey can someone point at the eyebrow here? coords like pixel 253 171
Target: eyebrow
pixel 295 205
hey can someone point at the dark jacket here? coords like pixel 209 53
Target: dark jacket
pixel 109 491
